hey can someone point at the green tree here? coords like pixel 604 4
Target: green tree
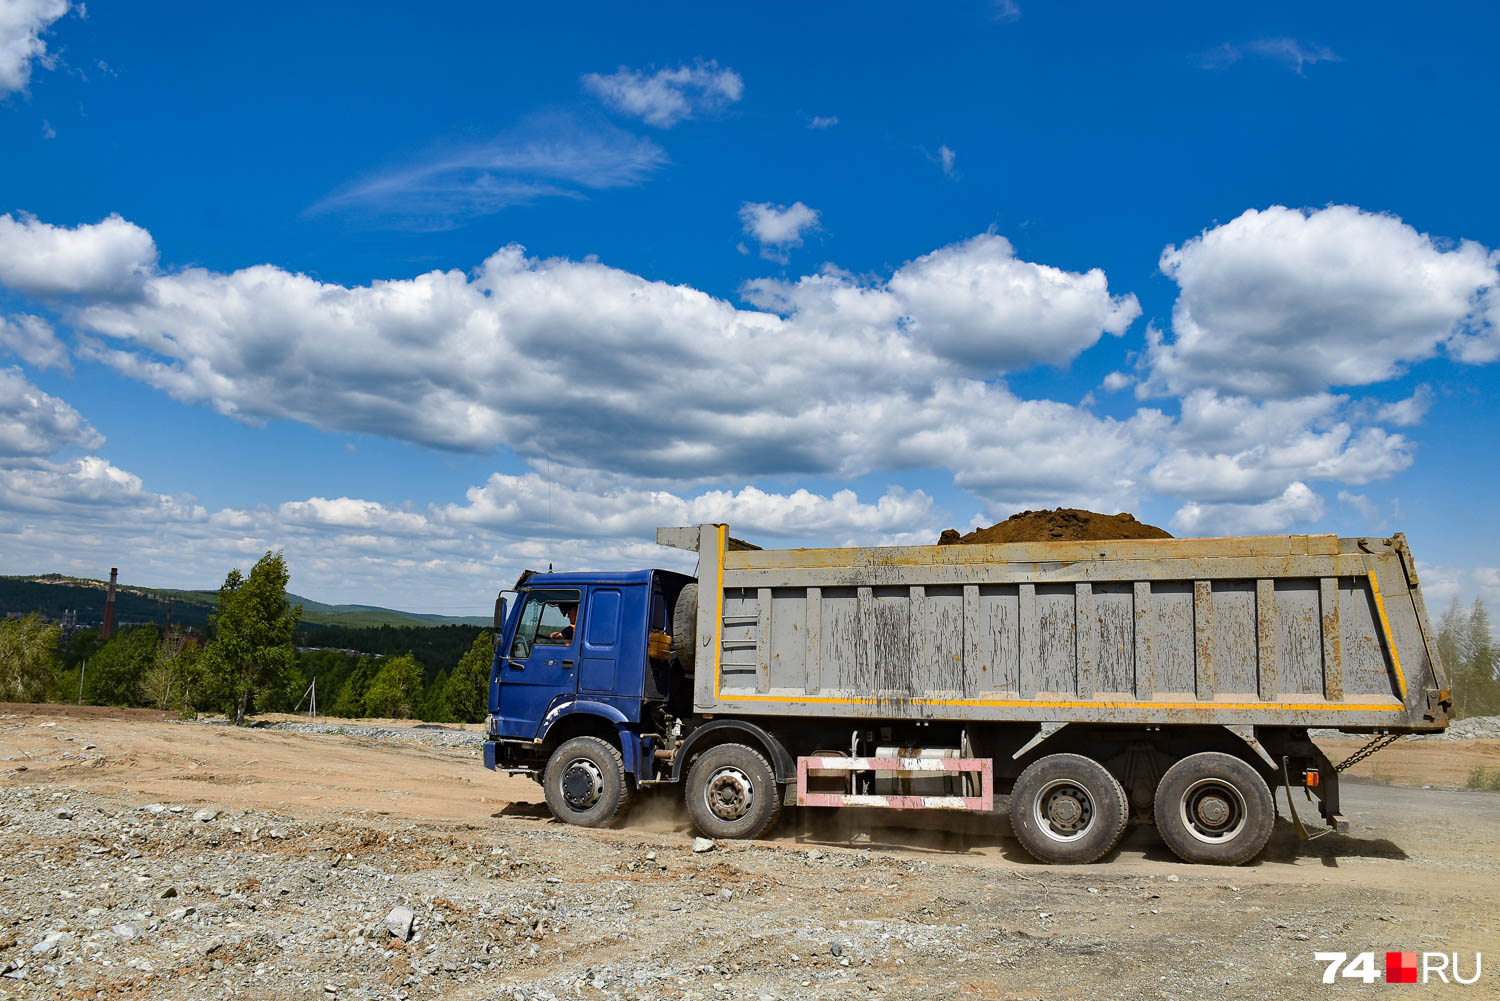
pixel 251 651
pixel 28 658
pixel 468 688
pixel 350 700
pixel 170 680
pixel 1481 696
pixel 113 675
pixel 396 691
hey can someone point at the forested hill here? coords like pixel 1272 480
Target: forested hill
pixel 436 648
pixel 53 594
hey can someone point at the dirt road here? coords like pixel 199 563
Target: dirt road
pixel 303 843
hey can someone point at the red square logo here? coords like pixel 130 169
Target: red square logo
pixel 1401 967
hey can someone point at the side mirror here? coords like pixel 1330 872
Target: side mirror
pixel 499 620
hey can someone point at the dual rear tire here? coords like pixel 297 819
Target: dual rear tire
pixel 1211 808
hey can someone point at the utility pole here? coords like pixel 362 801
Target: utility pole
pixel 81 671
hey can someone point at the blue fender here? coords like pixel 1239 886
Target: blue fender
pixel 630 744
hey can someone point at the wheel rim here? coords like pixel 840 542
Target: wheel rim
pixel 582 784
pixel 1213 811
pixel 729 794
pixel 1063 810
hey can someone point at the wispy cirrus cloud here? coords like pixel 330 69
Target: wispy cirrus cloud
pixel 1290 52
pixel 549 155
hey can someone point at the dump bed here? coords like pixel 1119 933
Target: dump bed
pixel 1300 630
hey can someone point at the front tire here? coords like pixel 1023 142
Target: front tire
pixel 732 793
pixel 1067 809
pixel 1214 809
pixel 585 782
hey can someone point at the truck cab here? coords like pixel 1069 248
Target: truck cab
pixel 583 657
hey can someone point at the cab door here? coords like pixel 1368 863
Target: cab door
pixel 542 662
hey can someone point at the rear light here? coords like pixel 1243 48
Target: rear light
pixel 1310 778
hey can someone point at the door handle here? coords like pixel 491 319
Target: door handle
pixel 516 665
pixel 567 665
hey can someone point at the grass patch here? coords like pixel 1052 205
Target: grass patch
pixel 1486 779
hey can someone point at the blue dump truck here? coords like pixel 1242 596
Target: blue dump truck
pixel 1096 684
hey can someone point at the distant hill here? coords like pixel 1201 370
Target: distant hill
pixel 53 594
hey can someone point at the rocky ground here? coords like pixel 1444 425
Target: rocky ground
pixel 146 858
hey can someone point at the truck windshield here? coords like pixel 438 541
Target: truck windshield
pixel 548 618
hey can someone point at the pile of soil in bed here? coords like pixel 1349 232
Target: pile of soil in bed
pixel 1066 524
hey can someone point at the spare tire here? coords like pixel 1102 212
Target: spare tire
pixel 685 626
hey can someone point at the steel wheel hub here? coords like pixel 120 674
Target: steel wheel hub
pixel 582 784
pixel 1063 810
pixel 729 794
pixel 1213 811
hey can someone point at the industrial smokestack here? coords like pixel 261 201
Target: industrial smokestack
pixel 109 605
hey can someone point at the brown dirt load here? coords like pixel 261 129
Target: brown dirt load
pixel 1065 524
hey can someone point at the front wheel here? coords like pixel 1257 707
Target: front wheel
pixel 1068 809
pixel 585 782
pixel 731 793
pixel 1214 809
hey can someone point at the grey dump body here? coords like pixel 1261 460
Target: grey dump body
pixel 1283 631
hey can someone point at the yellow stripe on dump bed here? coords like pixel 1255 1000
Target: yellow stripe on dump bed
pixel 1390 641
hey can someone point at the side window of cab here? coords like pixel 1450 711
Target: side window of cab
pixel 549 618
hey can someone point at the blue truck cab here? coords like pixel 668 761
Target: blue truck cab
pixel 584 658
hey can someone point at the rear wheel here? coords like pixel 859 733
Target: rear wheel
pixel 732 793
pixel 1214 809
pixel 585 782
pixel 1068 809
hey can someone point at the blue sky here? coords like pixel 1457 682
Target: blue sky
pixel 426 296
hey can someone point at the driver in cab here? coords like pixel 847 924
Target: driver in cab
pixel 565 634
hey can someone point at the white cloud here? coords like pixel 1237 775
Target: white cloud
pixel 1283 302
pixel 103 259
pixel 947 158
pixel 667 96
pixel 822 121
pixel 1366 508
pixel 777 227
pixel 1005 10
pixel 572 359
pixel 530 504
pixel 835 375
pixel 1116 381
pixel 1408 412
pixel 32 339
pixel 548 155
pixel 1298 504
pixel 61 488
pixel 1294 54
pixel 34 424
pixel 22 24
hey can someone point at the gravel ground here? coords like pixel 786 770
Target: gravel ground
pixel 111 889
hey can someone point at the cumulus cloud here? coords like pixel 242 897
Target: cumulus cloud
pixel 1233 448
pixel 1284 302
pixel 667 96
pixel 22 25
pixel 106 259
pixel 63 487
pixel 1116 381
pixel 832 374
pixel 947 158
pixel 34 424
pixel 570 359
pixel 33 340
pixel 547 155
pixel 777 227
pixel 1296 505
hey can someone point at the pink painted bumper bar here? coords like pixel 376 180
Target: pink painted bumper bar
pixel 984 801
